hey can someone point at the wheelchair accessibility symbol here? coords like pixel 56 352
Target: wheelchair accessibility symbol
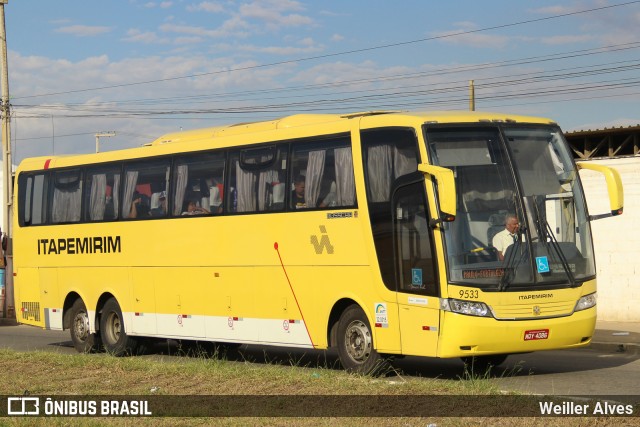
pixel 543 264
pixel 416 276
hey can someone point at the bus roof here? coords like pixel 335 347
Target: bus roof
pixel 299 120
pixel 319 122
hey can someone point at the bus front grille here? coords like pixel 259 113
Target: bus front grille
pixel 534 310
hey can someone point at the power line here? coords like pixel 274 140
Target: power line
pixel 349 52
pixel 409 76
pixel 412 90
pixel 385 101
pixel 363 95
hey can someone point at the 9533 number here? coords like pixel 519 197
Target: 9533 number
pixel 469 293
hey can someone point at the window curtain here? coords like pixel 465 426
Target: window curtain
pixel 266 181
pixel 315 170
pixel 379 172
pixel 97 199
pixel 115 194
pixel 182 177
pixel 246 182
pixel 66 204
pixel 131 180
pixel 346 189
pixel 404 161
pixel 167 182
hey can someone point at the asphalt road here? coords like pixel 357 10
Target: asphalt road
pixel 568 372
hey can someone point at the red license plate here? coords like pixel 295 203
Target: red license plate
pixel 537 334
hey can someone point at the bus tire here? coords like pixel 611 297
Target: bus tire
pixel 355 343
pixel 114 337
pixel 83 340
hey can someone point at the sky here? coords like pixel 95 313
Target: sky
pixel 144 68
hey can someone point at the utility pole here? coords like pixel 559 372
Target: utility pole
pixel 7 170
pixel 99 134
pixel 472 96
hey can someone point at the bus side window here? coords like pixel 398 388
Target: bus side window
pixel 102 194
pixel 322 175
pixel 141 181
pixel 33 199
pixel 256 175
pixel 198 179
pixel 67 196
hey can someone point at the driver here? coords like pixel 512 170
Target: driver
pixel 506 237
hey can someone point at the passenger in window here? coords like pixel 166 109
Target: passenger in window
pixel 161 209
pixel 297 195
pixel 139 206
pixel 109 208
pixel 194 209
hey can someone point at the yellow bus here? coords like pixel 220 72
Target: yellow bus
pixel 377 233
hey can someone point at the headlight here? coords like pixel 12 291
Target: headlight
pixel 469 308
pixel 586 301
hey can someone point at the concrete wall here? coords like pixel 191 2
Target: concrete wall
pixel 616 241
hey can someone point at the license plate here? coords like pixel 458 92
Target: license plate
pixel 537 334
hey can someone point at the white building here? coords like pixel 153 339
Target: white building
pixel 616 241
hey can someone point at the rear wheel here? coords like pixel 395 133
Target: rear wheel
pixel 355 343
pixel 83 340
pixel 114 337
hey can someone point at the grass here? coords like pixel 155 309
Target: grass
pixel 46 373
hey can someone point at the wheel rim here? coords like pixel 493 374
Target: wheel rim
pixel 358 341
pixel 81 326
pixel 114 327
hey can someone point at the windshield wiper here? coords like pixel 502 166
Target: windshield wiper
pixel 544 229
pixel 512 261
pixel 558 250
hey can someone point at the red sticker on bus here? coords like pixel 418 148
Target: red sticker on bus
pixel 537 334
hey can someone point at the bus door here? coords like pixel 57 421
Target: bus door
pixel 417 284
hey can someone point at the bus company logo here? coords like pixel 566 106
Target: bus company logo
pixel 322 243
pixel 536 310
pixel 80 245
pixel 535 296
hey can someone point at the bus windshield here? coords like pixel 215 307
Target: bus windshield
pixel 521 219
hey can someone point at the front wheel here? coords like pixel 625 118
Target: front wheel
pixel 355 343
pixel 83 340
pixel 114 337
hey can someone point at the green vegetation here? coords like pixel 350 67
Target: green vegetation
pixel 45 373
pixel 201 375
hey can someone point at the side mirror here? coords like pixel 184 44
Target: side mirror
pixel 446 190
pixel 614 188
